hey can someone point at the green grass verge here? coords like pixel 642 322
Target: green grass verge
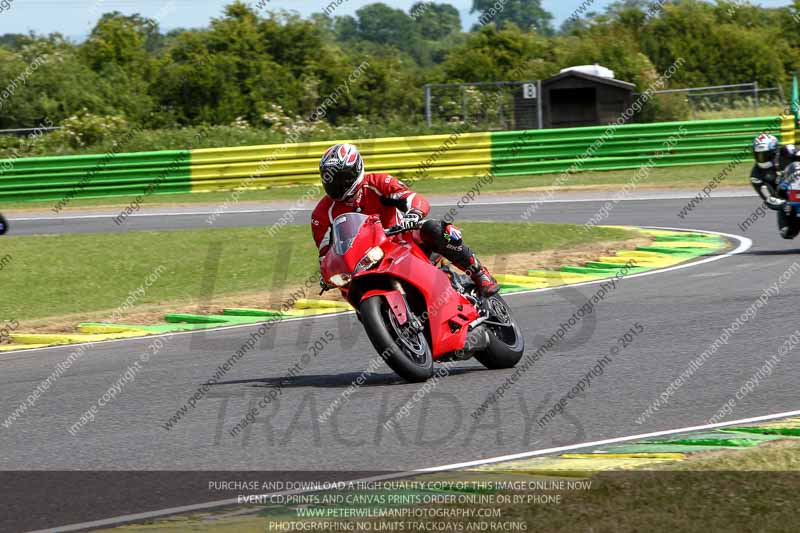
pixel 690 177
pixel 742 112
pixel 776 456
pixel 52 275
pixel 743 490
pixel 740 490
pixel 734 490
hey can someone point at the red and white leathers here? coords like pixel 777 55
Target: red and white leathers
pixel 375 194
pixel 388 197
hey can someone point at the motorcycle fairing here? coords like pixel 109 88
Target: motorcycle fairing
pixel 448 312
pixel 396 301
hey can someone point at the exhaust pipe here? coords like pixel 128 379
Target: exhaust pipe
pixel 477 340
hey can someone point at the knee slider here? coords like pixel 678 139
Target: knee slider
pixel 431 231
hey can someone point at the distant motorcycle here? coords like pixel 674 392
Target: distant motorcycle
pixel 3 224
pixel 789 190
pixel 414 312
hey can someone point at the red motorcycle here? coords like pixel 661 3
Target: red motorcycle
pixel 415 312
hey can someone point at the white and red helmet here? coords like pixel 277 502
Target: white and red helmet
pixel 342 171
pixel 765 150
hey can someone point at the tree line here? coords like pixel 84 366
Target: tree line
pixel 271 70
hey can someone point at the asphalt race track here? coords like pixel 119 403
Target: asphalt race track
pixel 682 313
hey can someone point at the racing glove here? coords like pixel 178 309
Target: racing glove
pixel 323 286
pixel 773 202
pixel 411 219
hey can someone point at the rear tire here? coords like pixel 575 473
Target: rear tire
pixel 405 351
pixel 506 343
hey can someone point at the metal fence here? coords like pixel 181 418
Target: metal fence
pixel 726 101
pixel 26 131
pixel 515 105
pixel 489 106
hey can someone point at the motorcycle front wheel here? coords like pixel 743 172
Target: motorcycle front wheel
pixel 404 349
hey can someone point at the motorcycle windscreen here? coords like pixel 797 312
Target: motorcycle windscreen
pixel 345 231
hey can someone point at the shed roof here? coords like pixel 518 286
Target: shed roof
pixel 597 79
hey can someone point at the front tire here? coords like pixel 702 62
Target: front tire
pixel 405 351
pixel 506 343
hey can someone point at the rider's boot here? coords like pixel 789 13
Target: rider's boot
pixel 463 258
pixel 481 277
pixel 787 223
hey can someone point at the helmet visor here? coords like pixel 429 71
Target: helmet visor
pixel 765 156
pixel 337 182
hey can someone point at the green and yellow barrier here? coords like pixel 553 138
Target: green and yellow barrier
pixel 454 155
pixel 82 176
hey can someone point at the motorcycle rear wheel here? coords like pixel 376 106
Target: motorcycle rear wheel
pixel 405 351
pixel 506 343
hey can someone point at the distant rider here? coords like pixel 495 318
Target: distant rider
pixel 788 221
pixel 349 189
pixel 771 159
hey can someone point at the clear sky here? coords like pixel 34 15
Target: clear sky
pixel 74 18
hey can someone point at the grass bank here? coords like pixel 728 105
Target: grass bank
pixel 743 490
pixel 738 490
pixel 94 274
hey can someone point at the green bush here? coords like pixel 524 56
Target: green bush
pixel 85 130
pixel 253 77
pixel 665 108
pixel 131 139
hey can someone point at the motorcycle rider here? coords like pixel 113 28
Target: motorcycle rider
pixel 771 159
pixel 788 222
pixel 349 189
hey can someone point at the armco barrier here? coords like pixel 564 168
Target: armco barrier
pixel 83 176
pixel 411 158
pixel 630 146
pixel 450 155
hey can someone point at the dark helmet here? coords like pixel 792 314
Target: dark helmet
pixel 765 148
pixel 786 155
pixel 792 171
pixel 341 169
